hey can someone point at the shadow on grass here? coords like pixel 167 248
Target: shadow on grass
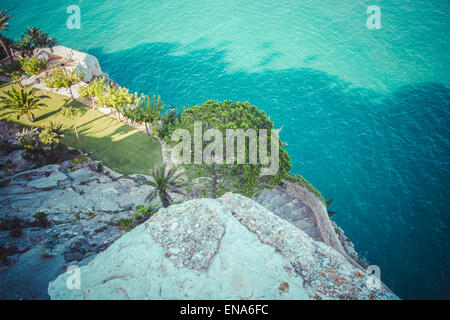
pixel 85 126
pixel 80 107
pixel 122 150
pixel 47 115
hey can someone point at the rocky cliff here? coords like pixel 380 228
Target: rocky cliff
pixel 230 248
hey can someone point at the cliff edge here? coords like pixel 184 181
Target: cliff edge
pixel 229 248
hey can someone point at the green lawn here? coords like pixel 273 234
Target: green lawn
pixel 117 145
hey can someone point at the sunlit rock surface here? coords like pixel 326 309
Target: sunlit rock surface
pixel 230 248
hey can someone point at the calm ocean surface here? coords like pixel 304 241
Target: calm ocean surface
pixel 365 113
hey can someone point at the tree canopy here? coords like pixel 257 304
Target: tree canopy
pixel 243 178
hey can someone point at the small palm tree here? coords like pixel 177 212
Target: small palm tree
pixel 164 182
pixel 25 46
pixel 52 134
pixel 44 41
pixel 34 34
pixel 3 27
pixel 23 101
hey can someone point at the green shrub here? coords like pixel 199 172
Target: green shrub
pixel 58 78
pixel 243 178
pixel 33 65
pixel 139 216
pixel 81 158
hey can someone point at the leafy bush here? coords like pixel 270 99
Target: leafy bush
pixel 58 78
pixel 144 109
pixel 241 178
pixel 33 65
pixel 81 158
pixel 94 89
pixel 169 123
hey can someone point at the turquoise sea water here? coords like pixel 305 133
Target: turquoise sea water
pixel 365 113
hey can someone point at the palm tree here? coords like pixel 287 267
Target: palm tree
pixel 52 134
pixel 164 182
pixel 25 46
pixel 3 27
pixel 44 41
pixel 34 33
pixel 23 101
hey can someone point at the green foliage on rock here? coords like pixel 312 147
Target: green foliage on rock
pixel 93 90
pixel 170 121
pixel 164 181
pixel 32 65
pixel 60 78
pixel 141 214
pixel 28 138
pixel 242 178
pixel 145 109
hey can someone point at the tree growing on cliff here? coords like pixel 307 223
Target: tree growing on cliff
pixel 40 39
pixel 45 41
pixel 23 101
pixel 164 181
pixel 25 46
pixel 93 90
pixel 243 177
pixel 34 34
pixel 4 27
pixel 145 110
pixel 117 98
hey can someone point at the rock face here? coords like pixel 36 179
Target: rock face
pixel 305 211
pixel 230 248
pixel 79 210
pixel 291 209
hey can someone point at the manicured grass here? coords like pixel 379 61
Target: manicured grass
pixel 119 146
